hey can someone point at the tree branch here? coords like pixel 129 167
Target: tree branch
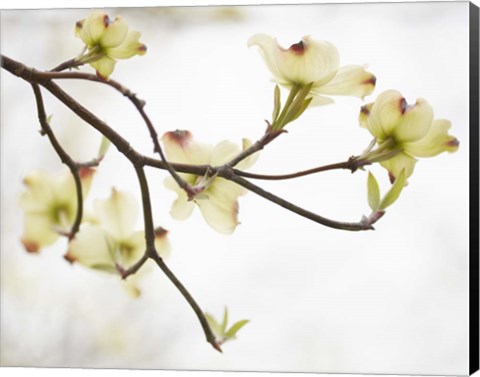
pixel 139 105
pixel 64 157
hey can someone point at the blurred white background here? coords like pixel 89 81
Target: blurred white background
pixel 390 301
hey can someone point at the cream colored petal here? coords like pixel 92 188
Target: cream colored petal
pixel 250 160
pixel 39 195
pixel 104 66
pixel 162 243
pixel 182 148
pixel 131 46
pixel 38 232
pixel 93 28
pixel 115 33
pixel 267 46
pixel 386 114
pixel 308 61
pixel 92 248
pixel 416 122
pixel 319 100
pixel 220 217
pixel 396 164
pixel 224 152
pixel 117 214
pixel 220 209
pixel 436 141
pixel 351 80
pixel 182 208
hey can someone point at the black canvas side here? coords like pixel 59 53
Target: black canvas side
pixel 474 190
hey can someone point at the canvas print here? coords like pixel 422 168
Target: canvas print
pixel 241 188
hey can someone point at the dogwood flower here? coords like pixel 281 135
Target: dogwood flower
pixel 50 206
pixel 217 197
pixel 111 243
pixel 310 61
pixel 106 41
pixel 404 132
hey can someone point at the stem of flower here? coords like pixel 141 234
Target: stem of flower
pixel 351 164
pixel 71 63
pixel 278 123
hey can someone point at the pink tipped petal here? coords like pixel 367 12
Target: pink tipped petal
pixel 436 141
pixel 415 123
pixel 114 34
pixel 117 214
pixel 396 164
pixel 182 148
pixel 303 63
pixel 86 176
pixel 318 62
pixel 364 115
pixel 350 80
pixel 162 243
pixel 78 28
pixel 129 47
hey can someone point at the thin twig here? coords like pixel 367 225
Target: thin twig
pixel 351 164
pixel 267 137
pixel 153 254
pixel 64 157
pixel 357 226
pixel 191 301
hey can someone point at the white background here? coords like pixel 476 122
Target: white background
pixel 390 301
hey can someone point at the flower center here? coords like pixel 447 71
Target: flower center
pixel 60 215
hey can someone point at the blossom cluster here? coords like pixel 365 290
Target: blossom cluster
pixel 402 131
